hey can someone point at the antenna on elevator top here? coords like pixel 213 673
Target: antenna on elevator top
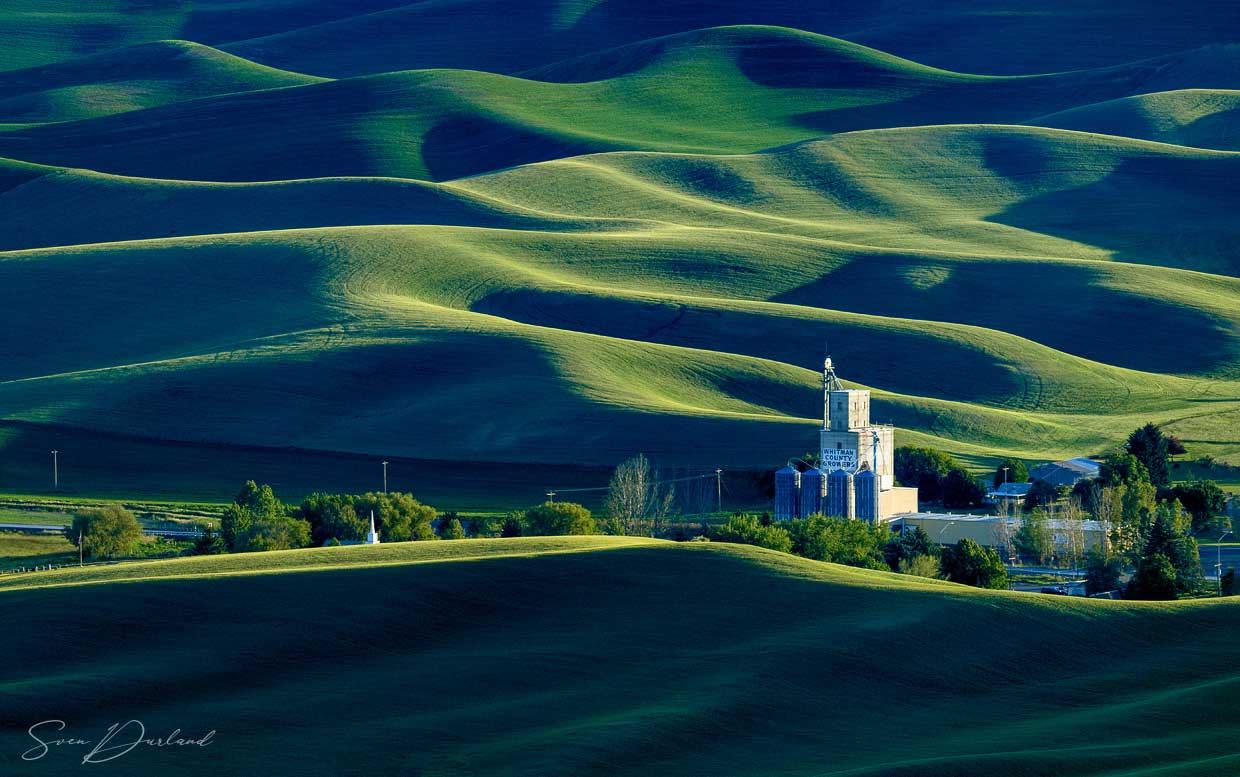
pixel 829 380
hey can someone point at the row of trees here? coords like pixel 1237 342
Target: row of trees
pixel 938 477
pixel 858 543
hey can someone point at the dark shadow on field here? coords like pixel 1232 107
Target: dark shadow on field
pixel 102 465
pixel 933 98
pixel 1062 306
pixel 1173 211
pixel 597 654
pixel 469 144
pixel 945 369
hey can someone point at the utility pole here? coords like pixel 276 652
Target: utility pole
pixel 56 470
pixel 1005 469
pixel 719 490
pixel 551 496
pixel 80 547
pixel 385 477
pixel 1218 568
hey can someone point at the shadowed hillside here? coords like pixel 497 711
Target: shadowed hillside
pixel 571 656
pixel 131 78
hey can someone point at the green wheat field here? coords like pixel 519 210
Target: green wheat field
pixel 509 244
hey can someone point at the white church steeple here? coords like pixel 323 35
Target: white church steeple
pixel 373 537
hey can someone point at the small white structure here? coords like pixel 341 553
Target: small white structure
pixel 373 537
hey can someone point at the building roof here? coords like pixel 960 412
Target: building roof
pixel 1066 473
pixel 1010 491
pixel 1054 523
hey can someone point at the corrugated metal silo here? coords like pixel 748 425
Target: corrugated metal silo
pixel 865 488
pixel 787 494
pixel 840 494
pixel 813 491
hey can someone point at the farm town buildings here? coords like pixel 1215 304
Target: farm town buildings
pixel 855 477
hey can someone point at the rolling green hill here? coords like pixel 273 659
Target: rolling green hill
pixel 130 78
pixel 635 234
pixel 601 655
pixel 641 300
pixel 724 90
pixel 1206 118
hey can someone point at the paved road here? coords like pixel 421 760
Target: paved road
pixel 184 534
pixel 1230 554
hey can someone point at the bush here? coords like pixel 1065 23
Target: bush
pixel 450 528
pixel 907 546
pixel 1102 573
pixel 106 532
pixel 748 530
pixel 921 566
pixel 839 540
pixel 209 543
pixel 559 518
pixel 1154 580
pixel 971 564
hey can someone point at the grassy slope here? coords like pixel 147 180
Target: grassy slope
pixel 1206 118
pixel 581 656
pixel 726 90
pixel 999 36
pixel 23 551
pixel 321 36
pixel 604 322
pixel 130 78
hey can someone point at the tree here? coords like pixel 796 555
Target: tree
pixel 961 490
pixel 450 528
pixel 1203 499
pixel 279 533
pixel 1041 494
pixel 1168 537
pixel 106 532
pixel 484 526
pixel 1154 580
pixel 209 543
pixel 513 526
pixel 1017 472
pixel 1227 584
pixel 846 541
pixel 1034 538
pixel 924 468
pixel 1086 492
pixel 559 518
pixel 921 566
pixel 1151 448
pixel 1102 572
pixel 1174 446
pixel 908 546
pixel 1072 522
pixel 1005 528
pixel 332 516
pixel 747 530
pixel 258 521
pixel 1122 468
pixel 635 502
pixel 971 564
pixel 399 517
